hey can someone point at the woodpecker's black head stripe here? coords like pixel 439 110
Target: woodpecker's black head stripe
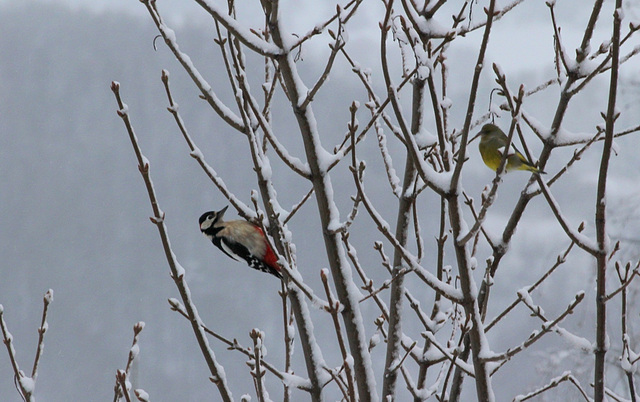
pixel 205 216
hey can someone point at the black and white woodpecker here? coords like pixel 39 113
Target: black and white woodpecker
pixel 240 240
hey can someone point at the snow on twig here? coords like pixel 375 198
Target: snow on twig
pixel 449 355
pixel 235 345
pixel 547 327
pixel 335 48
pixel 554 382
pixel 243 34
pixel 123 383
pixel 334 310
pixel 120 389
pixel 439 182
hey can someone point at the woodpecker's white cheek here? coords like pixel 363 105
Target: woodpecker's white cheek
pixel 206 224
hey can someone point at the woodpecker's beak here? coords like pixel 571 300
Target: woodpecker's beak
pixel 220 213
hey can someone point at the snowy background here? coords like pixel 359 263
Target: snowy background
pixel 74 210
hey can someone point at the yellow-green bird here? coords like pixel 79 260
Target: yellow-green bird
pixel 493 143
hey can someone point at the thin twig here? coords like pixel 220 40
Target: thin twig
pixel 447 291
pixel 335 48
pixel 368 283
pixel 297 207
pixel 386 284
pixel 133 353
pixel 582 241
pixel 602 238
pixel 287 320
pixel 232 344
pixel 321 27
pixel 561 259
pixel 624 284
pixel 121 380
pixel 334 310
pixel 24 384
pixel 256 363
pixel 547 327
pixel 339 382
pixel 177 271
pixel 559 48
pixel 207 92
pixel 173 108
pixel 292 162
pixel 554 383
pixel 451 357
pixel 244 35
pixel 44 326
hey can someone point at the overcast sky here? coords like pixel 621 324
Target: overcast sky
pixel 532 23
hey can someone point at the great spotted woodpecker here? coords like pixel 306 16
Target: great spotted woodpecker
pixel 240 240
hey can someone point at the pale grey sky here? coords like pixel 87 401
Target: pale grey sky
pixel 532 24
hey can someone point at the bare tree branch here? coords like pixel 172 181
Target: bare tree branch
pixel 44 326
pixel 601 220
pixel 177 271
pixel 207 92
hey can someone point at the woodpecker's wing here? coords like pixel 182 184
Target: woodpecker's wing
pixel 239 252
pixel 232 249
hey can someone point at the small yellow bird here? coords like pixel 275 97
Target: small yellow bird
pixel 492 145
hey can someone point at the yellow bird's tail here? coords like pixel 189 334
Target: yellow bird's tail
pixel 526 165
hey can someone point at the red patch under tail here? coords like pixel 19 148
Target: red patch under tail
pixel 270 257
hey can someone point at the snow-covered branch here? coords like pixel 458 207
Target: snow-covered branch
pixel 248 38
pixel 351 7
pixel 561 259
pixel 554 382
pixel 318 159
pixel 169 37
pixel 197 154
pixel 235 345
pixel 439 182
pixel 294 163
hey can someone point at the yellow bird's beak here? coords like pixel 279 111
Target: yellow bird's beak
pixel 474 137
